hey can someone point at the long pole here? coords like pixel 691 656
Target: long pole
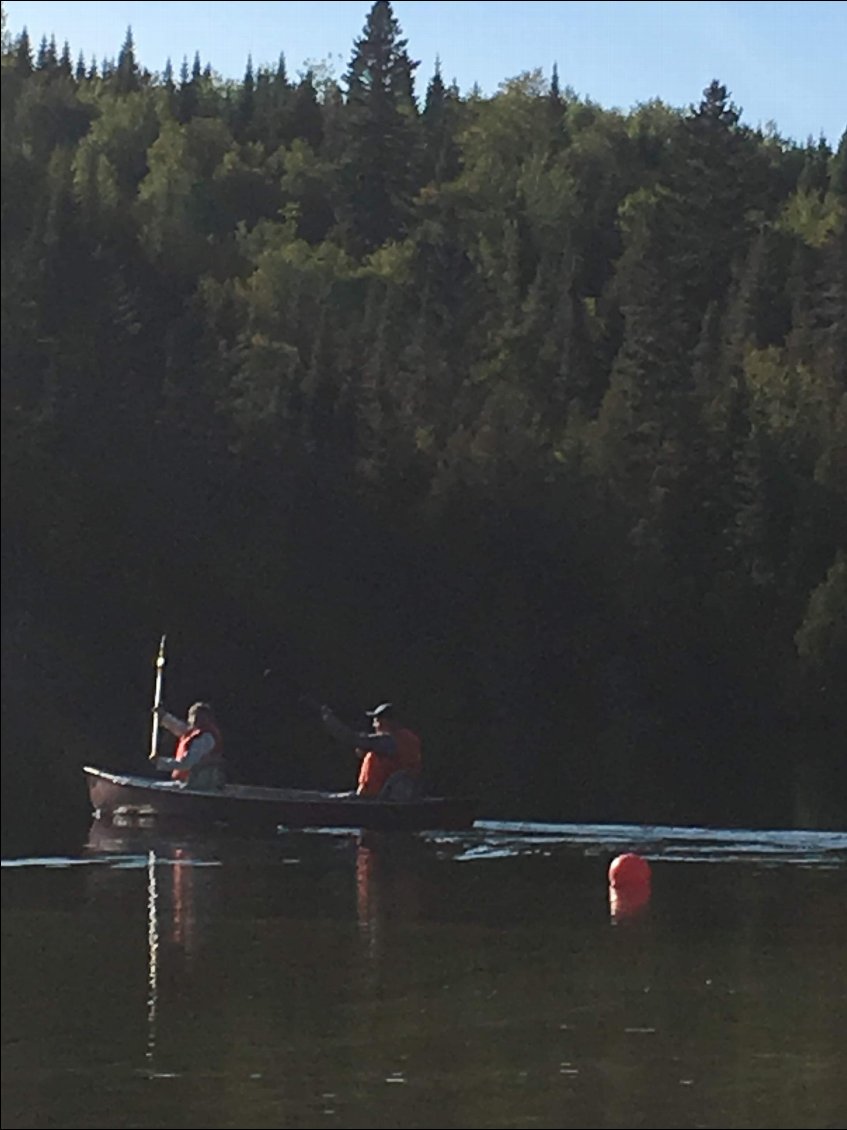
pixel 157 699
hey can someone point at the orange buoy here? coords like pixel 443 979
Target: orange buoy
pixel 629 872
pixel 629 885
pixel 627 902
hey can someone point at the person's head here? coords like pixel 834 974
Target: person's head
pixel 384 717
pixel 200 714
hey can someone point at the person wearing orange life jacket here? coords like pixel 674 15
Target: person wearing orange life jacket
pixel 198 760
pixel 391 754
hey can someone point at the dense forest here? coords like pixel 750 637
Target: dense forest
pixel 527 414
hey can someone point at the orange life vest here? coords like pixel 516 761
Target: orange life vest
pixel 375 769
pixel 215 754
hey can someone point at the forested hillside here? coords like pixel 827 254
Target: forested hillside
pixel 527 413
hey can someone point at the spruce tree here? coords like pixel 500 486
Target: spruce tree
pixel 306 116
pixel 246 105
pixel 23 54
pixel 441 152
pixel 65 65
pixel 381 120
pixel 126 75
pixel 42 59
pixel 188 97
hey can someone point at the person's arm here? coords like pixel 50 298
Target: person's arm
pixel 197 749
pixel 382 744
pixel 172 724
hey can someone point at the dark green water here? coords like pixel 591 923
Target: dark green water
pixel 476 980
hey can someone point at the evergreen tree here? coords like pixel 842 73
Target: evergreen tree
pixel 64 65
pixel 555 94
pixel 380 162
pixel 80 73
pixel 127 75
pixel 23 54
pixel 441 152
pixel 188 98
pixel 838 173
pixel 42 61
pixel 246 102
pixel 815 175
pixel 306 116
pixel 710 177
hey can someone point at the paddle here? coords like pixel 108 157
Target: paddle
pixel 306 700
pixel 157 699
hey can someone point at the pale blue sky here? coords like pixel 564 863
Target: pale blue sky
pixel 783 62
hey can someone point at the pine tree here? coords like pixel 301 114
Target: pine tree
pixel 23 54
pixel 555 94
pixel 281 74
pixel 710 175
pixel 65 65
pixel 306 116
pixel 246 106
pixel 188 97
pixel 80 73
pixel 381 112
pixel 441 152
pixel 838 172
pixel 127 76
pixel 815 175
pixel 42 60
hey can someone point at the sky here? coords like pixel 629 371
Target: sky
pixel 783 62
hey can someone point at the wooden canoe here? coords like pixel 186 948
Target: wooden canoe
pixel 254 806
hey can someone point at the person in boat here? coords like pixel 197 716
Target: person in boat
pixel 198 761
pixel 390 754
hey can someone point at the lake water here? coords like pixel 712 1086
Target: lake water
pixel 480 979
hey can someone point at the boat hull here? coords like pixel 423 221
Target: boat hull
pixel 254 806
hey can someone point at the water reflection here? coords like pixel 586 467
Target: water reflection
pixel 441 980
pixel 369 899
pixel 181 885
pixel 388 877
pixel 181 893
pixel 152 955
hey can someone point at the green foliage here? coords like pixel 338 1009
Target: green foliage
pixel 822 637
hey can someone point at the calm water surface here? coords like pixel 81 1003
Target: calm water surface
pixel 473 980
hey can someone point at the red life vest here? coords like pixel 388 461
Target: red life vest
pixel 375 769
pixel 215 754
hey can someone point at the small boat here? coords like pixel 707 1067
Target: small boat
pixel 254 806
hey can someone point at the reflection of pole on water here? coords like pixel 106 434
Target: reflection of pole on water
pixel 152 954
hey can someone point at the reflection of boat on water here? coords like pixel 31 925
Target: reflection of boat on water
pixel 254 806
pixel 181 871
pixel 181 891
